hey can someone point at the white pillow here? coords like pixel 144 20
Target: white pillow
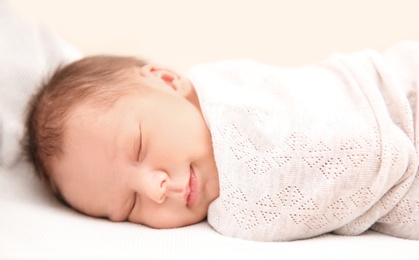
pixel 28 53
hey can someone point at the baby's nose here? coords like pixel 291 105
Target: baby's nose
pixel 160 187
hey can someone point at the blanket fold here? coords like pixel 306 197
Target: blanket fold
pixel 322 148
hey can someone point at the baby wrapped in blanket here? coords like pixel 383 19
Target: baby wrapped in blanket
pixel 325 148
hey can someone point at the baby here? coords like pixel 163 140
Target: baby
pixel 267 153
pixel 120 139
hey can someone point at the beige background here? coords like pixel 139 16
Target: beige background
pixel 180 33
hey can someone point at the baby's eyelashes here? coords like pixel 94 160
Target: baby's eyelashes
pixel 140 144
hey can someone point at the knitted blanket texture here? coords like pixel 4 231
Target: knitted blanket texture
pixel 323 148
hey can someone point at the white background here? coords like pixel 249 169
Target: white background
pixel 180 33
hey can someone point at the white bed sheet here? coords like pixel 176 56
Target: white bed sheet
pixel 35 225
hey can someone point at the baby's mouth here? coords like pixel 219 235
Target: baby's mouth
pixel 192 189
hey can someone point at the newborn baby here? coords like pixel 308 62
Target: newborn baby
pixel 268 153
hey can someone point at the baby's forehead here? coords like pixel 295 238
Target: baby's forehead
pixel 82 117
pixel 93 110
pixel 86 111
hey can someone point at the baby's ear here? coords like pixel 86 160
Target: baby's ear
pixel 172 79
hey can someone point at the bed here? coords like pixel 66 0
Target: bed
pixel 35 225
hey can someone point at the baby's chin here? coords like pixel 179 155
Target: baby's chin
pixel 162 225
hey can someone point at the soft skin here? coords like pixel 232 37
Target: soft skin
pixel 148 159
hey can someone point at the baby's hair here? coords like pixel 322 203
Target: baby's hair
pixel 98 79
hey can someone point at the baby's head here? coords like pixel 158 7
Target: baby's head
pixel 117 138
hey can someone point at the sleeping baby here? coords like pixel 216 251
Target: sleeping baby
pixel 264 153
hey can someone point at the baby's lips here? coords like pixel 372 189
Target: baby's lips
pixel 194 189
pixel 187 190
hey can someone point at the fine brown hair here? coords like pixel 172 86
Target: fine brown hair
pixel 98 79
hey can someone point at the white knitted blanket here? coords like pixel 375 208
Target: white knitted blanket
pixel 306 151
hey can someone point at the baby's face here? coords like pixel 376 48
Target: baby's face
pixel 148 159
